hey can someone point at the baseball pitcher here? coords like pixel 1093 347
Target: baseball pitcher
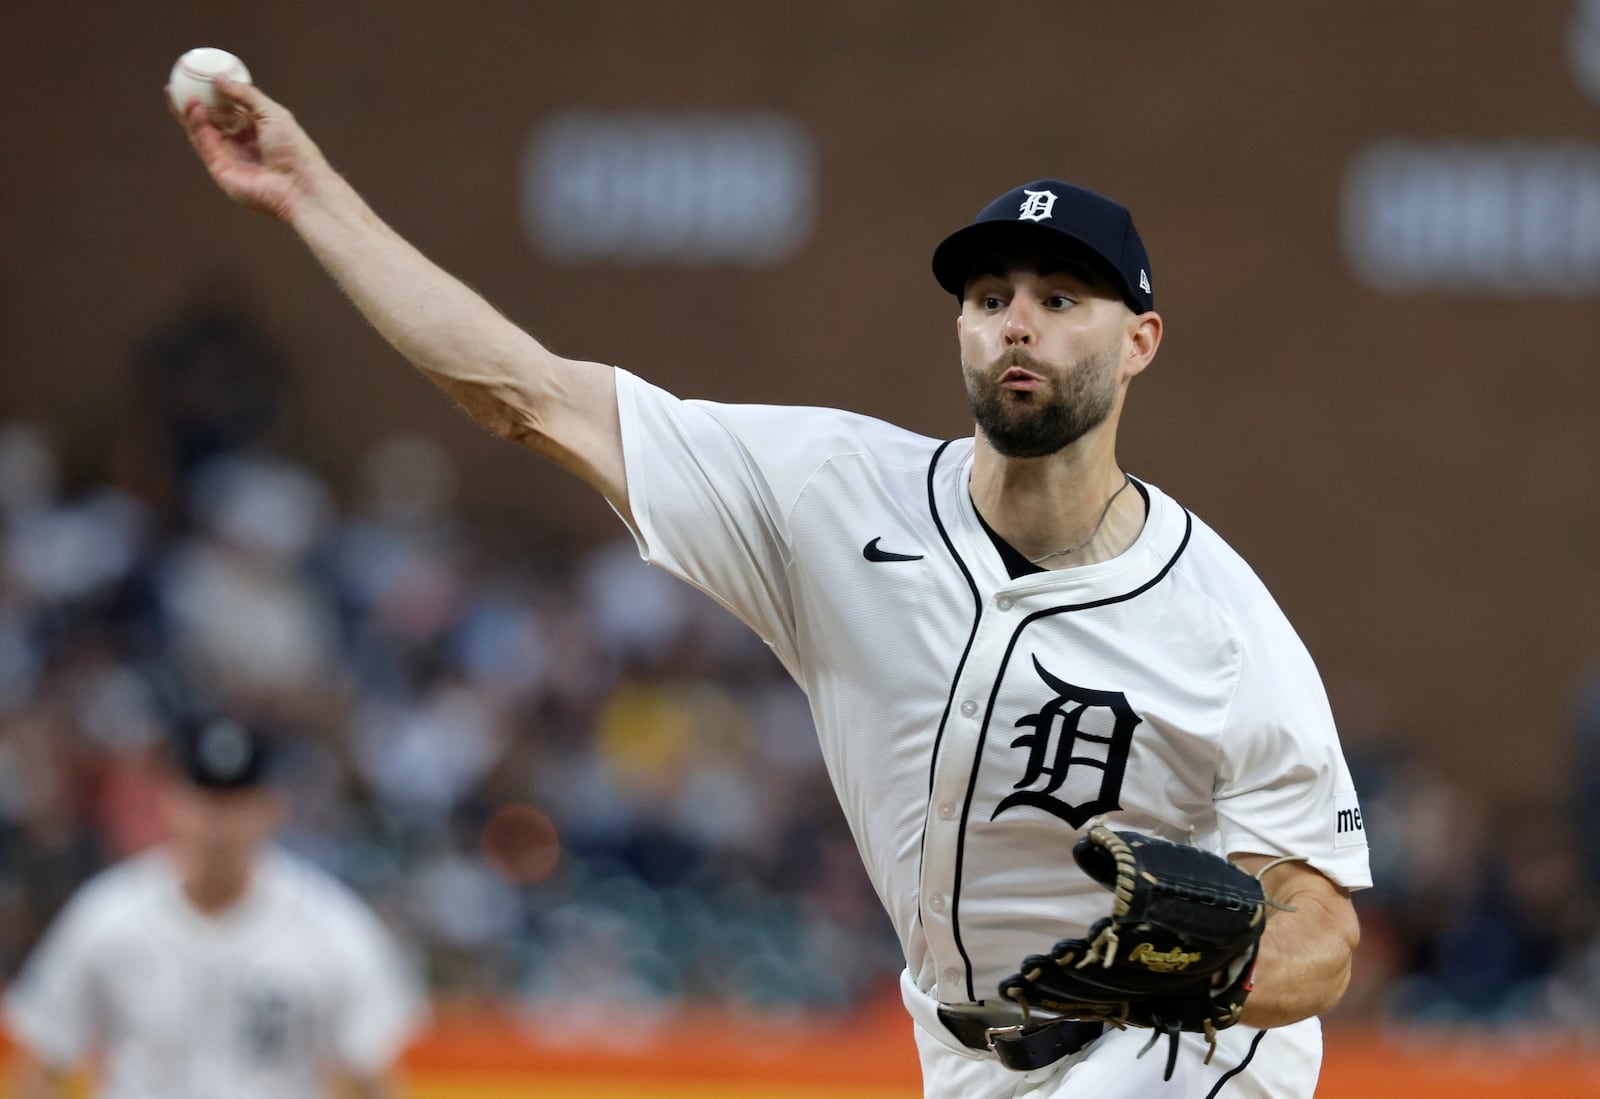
pixel 1089 766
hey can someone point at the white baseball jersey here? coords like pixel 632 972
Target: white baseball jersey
pixel 254 1003
pixel 974 724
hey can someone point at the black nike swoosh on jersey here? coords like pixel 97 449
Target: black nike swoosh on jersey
pixel 872 553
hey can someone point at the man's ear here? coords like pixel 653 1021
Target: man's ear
pixel 1144 338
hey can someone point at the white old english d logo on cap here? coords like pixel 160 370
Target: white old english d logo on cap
pixel 1037 206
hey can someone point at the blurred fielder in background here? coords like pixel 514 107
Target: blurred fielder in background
pixel 1005 639
pixel 216 964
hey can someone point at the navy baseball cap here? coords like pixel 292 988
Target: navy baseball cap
pixel 220 753
pixel 1048 211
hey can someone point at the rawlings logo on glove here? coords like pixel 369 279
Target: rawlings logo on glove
pixel 1175 955
pixel 1151 958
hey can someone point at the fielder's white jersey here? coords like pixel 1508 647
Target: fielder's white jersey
pixel 255 1003
pixel 974 724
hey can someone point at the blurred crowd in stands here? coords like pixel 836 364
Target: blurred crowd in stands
pixel 564 777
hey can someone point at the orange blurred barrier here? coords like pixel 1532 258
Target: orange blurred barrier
pixel 474 1054
pixel 477 1052
pixel 1412 1063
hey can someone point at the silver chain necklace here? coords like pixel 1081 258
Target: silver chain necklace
pixel 1098 523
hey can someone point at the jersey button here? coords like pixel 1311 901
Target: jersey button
pixel 947 809
pixel 1004 603
pixel 968 708
pixel 936 902
pixel 952 975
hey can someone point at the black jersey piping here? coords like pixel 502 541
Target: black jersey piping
pixel 944 718
pixel 988 715
pixel 1240 1067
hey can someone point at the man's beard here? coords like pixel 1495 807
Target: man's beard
pixel 1032 425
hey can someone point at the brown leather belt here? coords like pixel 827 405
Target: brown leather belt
pixel 1023 1047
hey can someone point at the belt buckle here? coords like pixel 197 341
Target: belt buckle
pixel 993 1034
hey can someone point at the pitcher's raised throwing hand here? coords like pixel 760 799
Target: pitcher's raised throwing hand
pixel 263 160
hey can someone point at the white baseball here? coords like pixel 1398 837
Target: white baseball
pixel 192 75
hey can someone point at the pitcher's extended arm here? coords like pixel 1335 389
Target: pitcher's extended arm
pixel 562 408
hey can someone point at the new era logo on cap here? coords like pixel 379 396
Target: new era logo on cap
pixel 1074 218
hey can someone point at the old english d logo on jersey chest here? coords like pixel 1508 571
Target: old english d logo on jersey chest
pixel 1079 730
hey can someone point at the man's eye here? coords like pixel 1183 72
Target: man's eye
pixel 992 302
pixel 1058 301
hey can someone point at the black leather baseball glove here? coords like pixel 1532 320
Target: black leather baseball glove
pixel 1176 953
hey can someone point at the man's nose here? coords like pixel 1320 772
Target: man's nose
pixel 1019 323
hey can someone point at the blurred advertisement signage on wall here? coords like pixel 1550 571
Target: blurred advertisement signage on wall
pixel 1512 219
pixel 692 189
pixel 1506 219
pixel 1583 47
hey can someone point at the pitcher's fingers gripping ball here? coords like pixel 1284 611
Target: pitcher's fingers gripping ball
pixel 1176 953
pixel 194 77
pixel 257 153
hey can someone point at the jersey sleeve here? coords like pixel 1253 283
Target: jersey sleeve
pixel 54 1005
pixel 378 1003
pixel 1283 786
pixel 711 487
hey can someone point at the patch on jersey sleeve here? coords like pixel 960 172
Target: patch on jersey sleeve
pixel 1348 830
